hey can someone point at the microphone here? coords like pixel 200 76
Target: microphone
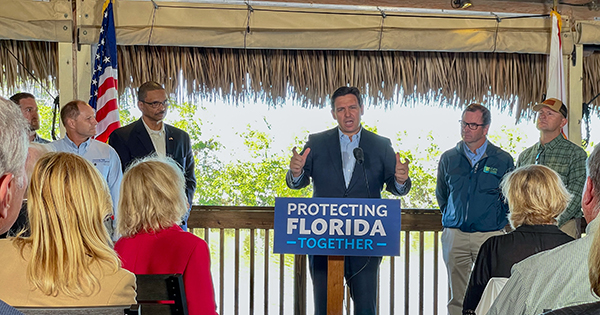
pixel 359 155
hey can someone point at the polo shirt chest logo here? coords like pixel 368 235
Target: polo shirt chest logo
pixel 490 170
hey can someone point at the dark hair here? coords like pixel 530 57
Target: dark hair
pixel 70 110
pixel 19 96
pixel 345 90
pixel 485 113
pixel 147 87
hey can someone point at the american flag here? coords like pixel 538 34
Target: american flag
pixel 103 92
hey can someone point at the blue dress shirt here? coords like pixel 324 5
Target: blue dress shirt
pixel 475 157
pixel 348 160
pixel 39 139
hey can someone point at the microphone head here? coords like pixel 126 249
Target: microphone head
pixel 359 155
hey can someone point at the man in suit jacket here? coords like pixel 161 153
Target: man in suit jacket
pixel 328 159
pixel 149 135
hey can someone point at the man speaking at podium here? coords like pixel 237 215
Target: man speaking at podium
pixel 330 159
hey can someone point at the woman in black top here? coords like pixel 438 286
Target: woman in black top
pixel 536 196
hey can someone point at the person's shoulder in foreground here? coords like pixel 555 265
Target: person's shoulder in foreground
pixel 548 280
pixel 115 287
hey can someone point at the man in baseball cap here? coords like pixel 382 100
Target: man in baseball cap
pixel 563 156
pixel 553 104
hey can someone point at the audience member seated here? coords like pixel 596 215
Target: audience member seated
pixel 13 152
pixel 67 260
pixel 152 204
pixel 594 276
pixel 558 277
pixel 36 150
pixel 536 196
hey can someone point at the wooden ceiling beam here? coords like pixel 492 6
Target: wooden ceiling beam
pixel 576 9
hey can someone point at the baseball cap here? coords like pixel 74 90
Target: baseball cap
pixel 553 104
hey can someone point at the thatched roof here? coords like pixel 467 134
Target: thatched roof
pixel 19 60
pixel 310 76
pixel 591 78
pixel 386 78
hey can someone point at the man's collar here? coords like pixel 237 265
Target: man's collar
pixel 592 226
pixel 554 142
pixel 150 130
pixel 482 147
pixel 70 142
pixel 357 135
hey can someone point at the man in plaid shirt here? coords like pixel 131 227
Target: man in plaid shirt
pixel 561 155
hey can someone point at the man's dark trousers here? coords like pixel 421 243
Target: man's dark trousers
pixel 361 271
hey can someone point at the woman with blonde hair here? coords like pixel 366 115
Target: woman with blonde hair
pixel 67 260
pixel 152 204
pixel 536 197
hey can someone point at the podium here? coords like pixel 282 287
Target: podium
pixel 337 227
pixel 335 285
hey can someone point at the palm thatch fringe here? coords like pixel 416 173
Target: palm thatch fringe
pixel 512 82
pixel 591 79
pixel 39 58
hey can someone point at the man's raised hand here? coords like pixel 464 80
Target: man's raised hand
pixel 297 162
pixel 401 170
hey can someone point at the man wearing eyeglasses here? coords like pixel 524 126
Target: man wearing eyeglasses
pixel 469 197
pixel 150 135
pixel 561 155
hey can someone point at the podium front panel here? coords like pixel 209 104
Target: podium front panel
pixel 337 226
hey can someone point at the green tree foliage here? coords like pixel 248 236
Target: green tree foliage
pixel 510 140
pixel 422 172
pixel 207 164
pixel 45 130
pixel 250 182
pixel 125 116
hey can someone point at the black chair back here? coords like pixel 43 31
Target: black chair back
pixel 154 289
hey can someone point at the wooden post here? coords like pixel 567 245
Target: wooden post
pixel 299 284
pixel 335 285
pixel 66 77
pixel 84 72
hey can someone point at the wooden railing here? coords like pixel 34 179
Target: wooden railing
pixel 251 291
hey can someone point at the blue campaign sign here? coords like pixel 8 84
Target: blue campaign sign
pixel 337 226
